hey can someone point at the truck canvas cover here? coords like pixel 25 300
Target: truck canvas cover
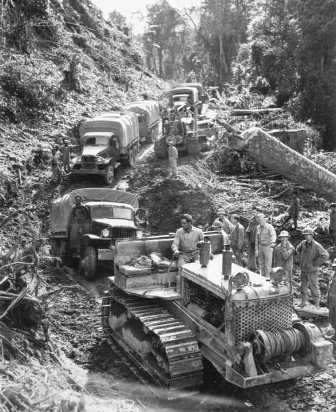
pixel 125 127
pixel 61 208
pixel 148 107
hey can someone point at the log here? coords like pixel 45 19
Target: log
pixel 252 112
pixel 276 156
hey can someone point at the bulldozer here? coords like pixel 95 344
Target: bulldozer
pixel 170 320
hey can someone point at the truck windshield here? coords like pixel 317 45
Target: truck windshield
pixel 110 212
pixel 97 141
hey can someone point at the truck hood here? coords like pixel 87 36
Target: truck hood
pixel 116 223
pixel 93 150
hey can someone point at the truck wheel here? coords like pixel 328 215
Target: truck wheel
pixel 88 264
pixel 109 175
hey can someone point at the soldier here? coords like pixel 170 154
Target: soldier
pixel 237 239
pixel 172 159
pixel 66 156
pixel 293 210
pixel 223 222
pixel 284 254
pixel 265 242
pixel 311 255
pixel 79 223
pixel 331 299
pixel 332 222
pixel 185 242
pixel 251 233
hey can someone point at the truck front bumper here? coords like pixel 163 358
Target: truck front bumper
pixel 89 171
pixel 105 255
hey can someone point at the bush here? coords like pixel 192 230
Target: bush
pixel 26 92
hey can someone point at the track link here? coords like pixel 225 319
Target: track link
pixel 154 340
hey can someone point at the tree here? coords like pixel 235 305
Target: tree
pixel 163 37
pixel 316 62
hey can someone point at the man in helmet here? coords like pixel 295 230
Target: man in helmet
pixel 284 253
pixel 311 256
pixel 222 222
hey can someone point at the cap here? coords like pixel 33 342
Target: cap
pixel 284 233
pixel 222 211
pixel 334 263
pixel 308 231
pixel 333 205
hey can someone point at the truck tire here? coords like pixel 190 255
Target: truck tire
pixel 88 264
pixel 109 175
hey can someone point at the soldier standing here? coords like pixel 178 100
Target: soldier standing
pixel 332 222
pixel 237 239
pixel 172 159
pixel 284 254
pixel 66 156
pixel 265 242
pixel 331 299
pixel 311 254
pixel 251 233
pixel 293 210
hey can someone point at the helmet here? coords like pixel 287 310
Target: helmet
pixel 333 205
pixel 334 263
pixel 221 211
pixel 308 231
pixel 284 233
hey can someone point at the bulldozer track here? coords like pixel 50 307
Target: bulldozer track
pixel 175 360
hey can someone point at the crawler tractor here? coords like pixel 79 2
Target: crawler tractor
pixel 170 320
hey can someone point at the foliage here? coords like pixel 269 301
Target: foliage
pixel 28 92
pixel 164 38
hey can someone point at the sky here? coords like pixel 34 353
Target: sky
pixel 130 9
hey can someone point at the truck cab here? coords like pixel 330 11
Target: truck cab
pixel 107 141
pixel 109 216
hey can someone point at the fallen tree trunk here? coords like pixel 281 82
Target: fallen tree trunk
pixel 252 112
pixel 271 153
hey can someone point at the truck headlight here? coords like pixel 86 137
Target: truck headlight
pixel 105 232
pixel 100 159
pixel 76 160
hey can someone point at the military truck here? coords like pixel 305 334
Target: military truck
pixel 107 141
pixel 170 320
pixel 111 216
pixel 148 112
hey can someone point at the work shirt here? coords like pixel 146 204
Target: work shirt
pixel 265 235
pixel 311 255
pixel 237 237
pixel 172 152
pixel 224 224
pixel 186 241
pixel 251 231
pixel 283 256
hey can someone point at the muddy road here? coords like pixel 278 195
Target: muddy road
pixel 109 375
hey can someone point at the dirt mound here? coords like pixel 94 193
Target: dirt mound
pixel 165 200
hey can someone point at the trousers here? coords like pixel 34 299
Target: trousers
pixel 252 264
pixel 172 167
pixel 265 260
pixel 309 280
pixel 239 255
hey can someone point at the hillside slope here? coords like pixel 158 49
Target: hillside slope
pixel 61 61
